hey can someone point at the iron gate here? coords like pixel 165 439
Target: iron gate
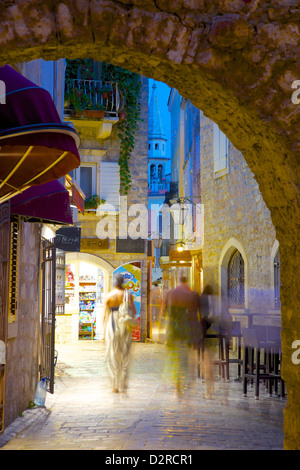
pixel 48 358
pixel 4 290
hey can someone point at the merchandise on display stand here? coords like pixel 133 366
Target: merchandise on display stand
pixel 84 290
pixel 87 303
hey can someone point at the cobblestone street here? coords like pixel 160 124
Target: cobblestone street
pixel 83 414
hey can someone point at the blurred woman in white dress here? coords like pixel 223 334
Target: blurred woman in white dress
pixel 117 336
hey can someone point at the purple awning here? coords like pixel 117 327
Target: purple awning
pixel 48 202
pixel 35 146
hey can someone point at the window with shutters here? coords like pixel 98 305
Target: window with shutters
pixel 110 183
pixel 85 177
pixel 221 145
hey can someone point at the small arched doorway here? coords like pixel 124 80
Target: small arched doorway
pixel 236 281
pixel 88 278
pixel 233 276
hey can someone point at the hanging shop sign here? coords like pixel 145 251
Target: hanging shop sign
pixel 131 273
pixel 68 238
pixel 184 255
pixel 128 245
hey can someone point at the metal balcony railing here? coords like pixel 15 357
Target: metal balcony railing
pixel 157 187
pixel 93 94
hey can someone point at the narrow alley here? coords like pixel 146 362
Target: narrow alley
pixel 83 414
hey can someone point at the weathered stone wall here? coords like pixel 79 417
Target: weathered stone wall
pixel 235 60
pixel 234 208
pixel 23 334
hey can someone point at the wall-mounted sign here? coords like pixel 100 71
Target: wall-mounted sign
pixel 128 245
pixel 68 238
pixel 94 244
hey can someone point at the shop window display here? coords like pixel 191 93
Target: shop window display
pixel 91 280
pixel 90 295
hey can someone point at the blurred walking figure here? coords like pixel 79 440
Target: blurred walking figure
pixel 180 307
pixel 117 335
pixel 206 309
pixel 216 320
pixel 156 302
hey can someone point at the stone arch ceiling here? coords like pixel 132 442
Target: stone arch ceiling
pixel 236 60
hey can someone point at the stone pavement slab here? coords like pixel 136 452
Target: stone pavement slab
pixel 83 413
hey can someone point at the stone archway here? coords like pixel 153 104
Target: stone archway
pixel 77 260
pixel 237 60
pixel 95 260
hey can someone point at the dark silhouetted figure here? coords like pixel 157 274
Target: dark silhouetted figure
pixel 182 329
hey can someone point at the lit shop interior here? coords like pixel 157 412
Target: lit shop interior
pixel 84 296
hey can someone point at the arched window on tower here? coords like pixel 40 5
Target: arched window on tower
pixel 156 146
pixel 160 172
pixel 152 171
pixel 236 281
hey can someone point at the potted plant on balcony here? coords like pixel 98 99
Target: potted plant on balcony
pixel 106 92
pixel 122 115
pixel 72 100
pixel 82 105
pixel 93 202
pixel 96 113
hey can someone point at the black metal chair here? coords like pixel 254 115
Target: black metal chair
pixel 256 341
pixel 237 333
pixel 223 359
pixel 275 358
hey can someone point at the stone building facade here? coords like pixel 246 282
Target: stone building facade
pixel 237 253
pixel 236 218
pixel 100 153
pixel 23 346
pixel 23 333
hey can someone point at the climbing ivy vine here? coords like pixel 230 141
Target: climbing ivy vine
pixel 130 87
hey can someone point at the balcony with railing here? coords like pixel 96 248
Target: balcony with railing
pixel 93 104
pixel 158 188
